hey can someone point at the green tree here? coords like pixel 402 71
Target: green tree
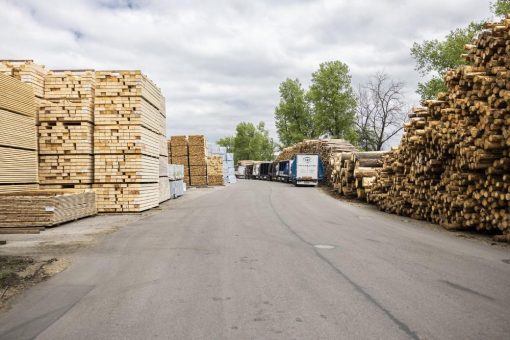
pixel 435 57
pixel 500 7
pixel 250 142
pixel 227 142
pixel 293 118
pixel 333 102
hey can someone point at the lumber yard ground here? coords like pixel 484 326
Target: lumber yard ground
pixel 263 260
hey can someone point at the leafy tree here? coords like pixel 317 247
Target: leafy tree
pixel 500 7
pixel 381 111
pixel 250 142
pixel 293 118
pixel 227 142
pixel 333 101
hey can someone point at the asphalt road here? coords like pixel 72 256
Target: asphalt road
pixel 242 262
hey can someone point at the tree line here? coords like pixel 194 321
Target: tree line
pixel 368 116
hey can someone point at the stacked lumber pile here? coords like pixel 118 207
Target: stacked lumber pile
pixel 197 147
pixel 29 73
pixel 44 208
pixel 178 146
pixel 215 171
pixel 353 173
pixel 128 114
pixel 18 137
pixel 452 166
pixel 65 130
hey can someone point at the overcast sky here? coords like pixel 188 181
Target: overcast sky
pixel 220 62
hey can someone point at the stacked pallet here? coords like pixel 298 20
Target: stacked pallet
pixel 197 147
pixel 215 170
pixel 128 115
pixel 18 137
pixel 65 130
pixel 44 208
pixel 452 166
pixel 178 146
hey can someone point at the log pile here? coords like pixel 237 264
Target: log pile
pixel 452 166
pixel 18 137
pixel 128 114
pixel 44 208
pixel 215 173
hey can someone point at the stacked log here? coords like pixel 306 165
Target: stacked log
pixel 18 137
pixel 179 154
pixel 452 166
pixel 128 113
pixel 197 146
pixel 366 167
pixel 65 139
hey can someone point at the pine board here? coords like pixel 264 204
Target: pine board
pixel 126 197
pixel 66 169
pixel 128 139
pixel 127 168
pixel 58 138
pixel 17 130
pixel 17 166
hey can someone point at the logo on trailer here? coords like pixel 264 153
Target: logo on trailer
pixel 307 159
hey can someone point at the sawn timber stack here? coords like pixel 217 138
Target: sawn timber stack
pixel 128 113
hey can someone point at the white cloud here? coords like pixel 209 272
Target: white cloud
pixel 220 62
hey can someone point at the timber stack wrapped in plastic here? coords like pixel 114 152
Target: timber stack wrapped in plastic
pixel 452 166
pixel 18 136
pixel 128 113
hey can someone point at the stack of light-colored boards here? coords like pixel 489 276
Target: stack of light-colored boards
pixel 18 137
pixel 129 124
pixel 215 174
pixel 29 73
pixel 178 146
pixel 45 208
pixel 65 130
pixel 197 147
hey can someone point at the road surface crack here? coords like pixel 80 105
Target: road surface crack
pixel 401 325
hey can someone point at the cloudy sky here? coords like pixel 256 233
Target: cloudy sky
pixel 220 62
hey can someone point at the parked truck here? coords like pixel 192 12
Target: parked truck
pixel 265 171
pixel 306 170
pixel 282 171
